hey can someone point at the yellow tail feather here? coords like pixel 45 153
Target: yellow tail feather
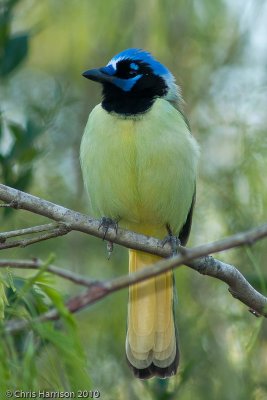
pixel 151 343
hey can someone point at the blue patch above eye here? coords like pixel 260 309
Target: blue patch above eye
pixel 126 84
pixel 134 66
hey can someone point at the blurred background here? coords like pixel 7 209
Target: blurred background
pixel 218 53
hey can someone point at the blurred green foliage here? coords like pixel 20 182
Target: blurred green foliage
pixel 16 162
pixel 217 51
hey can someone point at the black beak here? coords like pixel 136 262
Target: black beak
pixel 98 75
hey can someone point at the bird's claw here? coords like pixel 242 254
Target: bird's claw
pixel 107 223
pixel 173 241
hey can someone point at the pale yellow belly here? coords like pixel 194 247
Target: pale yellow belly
pixel 141 172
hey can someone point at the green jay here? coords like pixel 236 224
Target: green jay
pixel 139 163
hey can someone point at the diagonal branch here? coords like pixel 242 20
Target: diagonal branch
pixel 238 287
pixel 196 258
pixel 80 222
pixel 83 223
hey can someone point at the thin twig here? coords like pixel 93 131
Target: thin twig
pixel 38 265
pixel 26 231
pixel 61 230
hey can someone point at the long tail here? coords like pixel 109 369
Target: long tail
pixel 151 342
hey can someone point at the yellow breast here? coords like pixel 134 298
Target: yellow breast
pixel 142 170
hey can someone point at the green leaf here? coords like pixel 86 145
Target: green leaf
pixel 10 281
pixel 57 300
pixel 14 52
pixel 25 297
pixel 71 353
pixel 29 365
pixel 4 368
pixel 3 301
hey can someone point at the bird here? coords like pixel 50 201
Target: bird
pixel 139 165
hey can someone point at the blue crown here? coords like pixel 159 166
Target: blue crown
pixel 143 56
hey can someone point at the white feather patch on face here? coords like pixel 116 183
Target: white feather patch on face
pixel 114 62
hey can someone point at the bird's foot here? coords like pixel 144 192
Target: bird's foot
pixel 173 241
pixel 106 224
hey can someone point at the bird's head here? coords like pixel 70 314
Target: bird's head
pixel 132 80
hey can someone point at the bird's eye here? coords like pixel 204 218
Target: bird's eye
pixel 132 72
pixel 133 69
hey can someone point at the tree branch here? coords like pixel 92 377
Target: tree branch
pixel 80 222
pixel 83 223
pixel 60 230
pixel 39 264
pixel 238 287
pixel 196 258
pixel 26 231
